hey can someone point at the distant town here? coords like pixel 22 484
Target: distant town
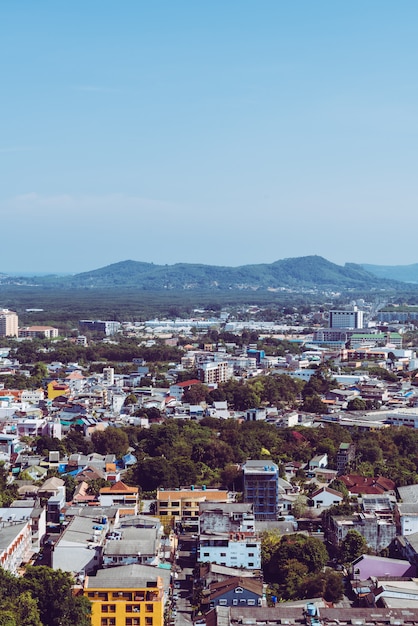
pixel 239 466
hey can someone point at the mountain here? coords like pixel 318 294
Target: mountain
pixel 403 273
pixel 311 272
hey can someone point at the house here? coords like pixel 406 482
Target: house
pixel 179 389
pixel 236 591
pixel 373 485
pixel 407 517
pixel 325 497
pixel 122 496
pixel 317 462
pixel 132 595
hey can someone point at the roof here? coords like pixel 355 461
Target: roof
pixel 119 487
pixel 128 577
pixel 333 492
pixel 367 484
pixel 192 494
pixel 250 584
pixel 188 383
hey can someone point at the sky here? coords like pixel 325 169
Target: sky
pixel 225 132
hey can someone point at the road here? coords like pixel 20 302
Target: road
pixel 183 586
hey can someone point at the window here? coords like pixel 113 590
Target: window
pixel 250 564
pixel 148 621
pixel 206 554
pixel 149 608
pixel 133 608
pixel 108 608
pixel 223 602
pixel 251 602
pixel 251 554
pixel 108 621
pixel 223 553
pixel 132 621
pixel 234 602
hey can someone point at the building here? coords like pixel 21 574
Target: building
pixel 236 591
pixel 181 506
pixel 215 372
pixel 378 528
pixel 47 332
pixel 349 318
pixel 132 595
pixel 345 457
pixel 99 326
pixel 261 488
pixel 15 543
pixel 122 496
pixel 325 497
pixel 9 323
pixel 79 547
pixel 230 549
pixel 297 615
pixel 226 517
pixel 407 517
pixel 178 389
pixel 130 545
pixel 109 375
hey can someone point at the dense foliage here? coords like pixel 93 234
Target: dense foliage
pixel 42 597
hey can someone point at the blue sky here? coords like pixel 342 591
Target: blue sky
pixel 218 131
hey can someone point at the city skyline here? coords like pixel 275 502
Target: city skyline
pixel 222 133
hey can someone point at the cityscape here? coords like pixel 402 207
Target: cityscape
pixel 196 469
pixel 209 313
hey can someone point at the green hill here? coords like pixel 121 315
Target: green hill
pixel 311 272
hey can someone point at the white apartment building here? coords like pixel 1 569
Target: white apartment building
pixel 349 318
pixel 9 323
pixel 215 372
pixel 231 550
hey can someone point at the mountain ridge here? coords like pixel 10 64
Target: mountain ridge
pixel 309 272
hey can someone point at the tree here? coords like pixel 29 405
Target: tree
pixel 130 399
pixel 56 603
pixel 352 546
pixel 112 440
pixel 314 404
pixel 196 394
pixel 356 404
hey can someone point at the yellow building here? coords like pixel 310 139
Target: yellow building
pixel 56 389
pixel 182 505
pixel 130 595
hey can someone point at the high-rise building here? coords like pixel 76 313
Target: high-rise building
pixel 261 488
pixel 345 457
pixel 9 323
pixel 348 318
